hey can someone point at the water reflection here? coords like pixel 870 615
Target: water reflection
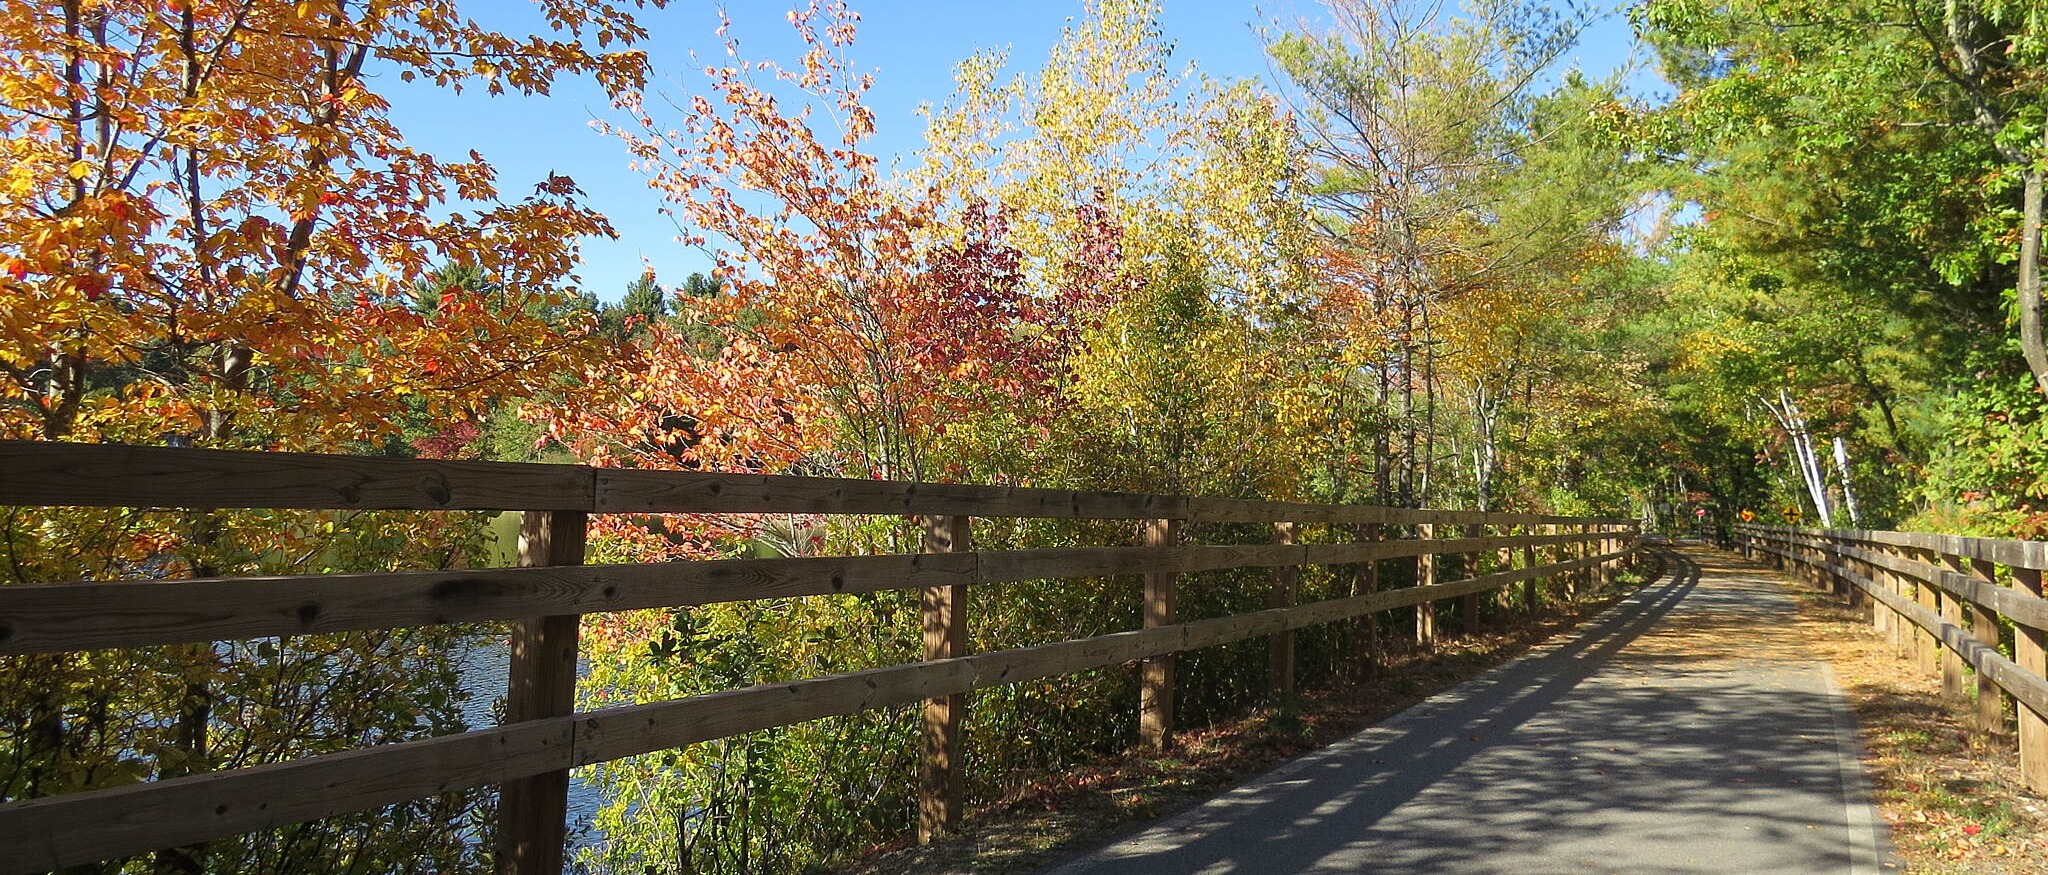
pixel 484 667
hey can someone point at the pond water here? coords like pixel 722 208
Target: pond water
pixel 484 668
pixel 487 664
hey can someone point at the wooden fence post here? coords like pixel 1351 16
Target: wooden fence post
pixel 1581 581
pixel 2030 650
pixel 1560 583
pixel 1280 647
pixel 1366 649
pixel 1155 693
pixel 533 812
pixel 1468 567
pixel 1504 560
pixel 1529 561
pixel 1843 588
pixel 1926 647
pixel 1425 575
pixel 1600 548
pixel 1951 611
pixel 941 778
pixel 1809 571
pixel 1880 613
pixel 1901 628
pixel 1810 568
pixel 1984 627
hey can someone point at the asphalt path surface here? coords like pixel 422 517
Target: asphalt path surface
pixel 1681 731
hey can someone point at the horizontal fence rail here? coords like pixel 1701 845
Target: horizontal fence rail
pixel 1945 602
pixel 103 475
pixel 529 756
pixel 83 616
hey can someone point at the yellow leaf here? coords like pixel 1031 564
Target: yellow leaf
pixel 81 169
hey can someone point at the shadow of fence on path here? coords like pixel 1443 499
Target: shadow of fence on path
pixel 1660 764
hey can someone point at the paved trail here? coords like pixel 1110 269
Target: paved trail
pixel 1680 732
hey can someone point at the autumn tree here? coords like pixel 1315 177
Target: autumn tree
pixel 1422 129
pixel 174 212
pixel 1121 170
pixel 211 233
pixel 853 333
pixel 842 332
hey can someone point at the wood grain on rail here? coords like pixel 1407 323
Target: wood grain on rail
pixel 113 475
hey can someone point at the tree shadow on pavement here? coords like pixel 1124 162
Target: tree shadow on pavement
pixel 1645 743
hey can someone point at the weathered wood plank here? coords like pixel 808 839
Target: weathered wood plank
pixel 626 731
pixel 1345 553
pixel 625 490
pixel 2001 551
pixel 114 475
pixel 2027 687
pixel 1057 562
pixel 82 616
pixel 41 835
pixel 1233 510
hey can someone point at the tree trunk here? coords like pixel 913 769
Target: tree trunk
pixel 2032 345
pixel 1848 488
pixel 1803 456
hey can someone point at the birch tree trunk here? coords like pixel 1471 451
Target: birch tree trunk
pixel 1793 421
pixel 1848 487
pixel 2032 345
pixel 1486 408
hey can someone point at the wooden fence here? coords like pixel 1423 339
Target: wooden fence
pixel 530 755
pixel 1943 601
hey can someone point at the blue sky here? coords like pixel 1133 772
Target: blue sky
pixel 910 45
